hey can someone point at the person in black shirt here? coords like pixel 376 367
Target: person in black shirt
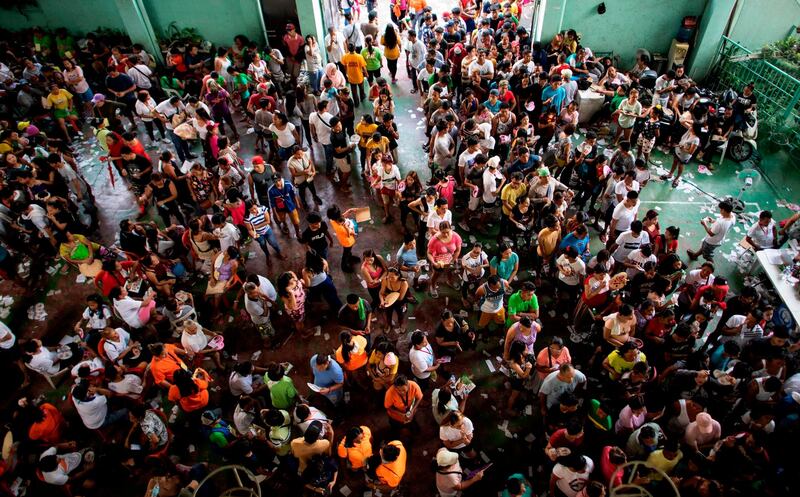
pixel 341 151
pixel 356 315
pixel 136 168
pixel 720 127
pixel 317 237
pixel 388 129
pixel 743 103
pixel 453 335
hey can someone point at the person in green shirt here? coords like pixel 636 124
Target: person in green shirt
pixel 241 84
pixel 281 388
pixel 523 303
pixel 42 42
pixel 65 43
pixel 373 58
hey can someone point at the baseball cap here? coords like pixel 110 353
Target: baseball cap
pixel 390 359
pixel 494 92
pixel 543 171
pixel 276 177
pixel 98 97
pixel 257 159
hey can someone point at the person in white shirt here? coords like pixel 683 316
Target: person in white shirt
pixel 491 188
pixel 624 214
pixel 763 234
pixel 257 306
pixel 482 66
pixel 320 124
pixel 140 74
pixel 742 329
pixel 95 317
pixel 92 406
pixel 147 110
pixel 637 258
pixel 171 108
pixel 571 271
pixel 439 213
pixel 456 432
pixel 353 33
pixel 7 337
pixel 56 468
pixel 118 346
pixel 243 381
pixel 135 313
pixel 42 359
pixel 415 57
pixel 304 415
pixel 423 362
pixel 628 184
pixel 227 234
pixel 334 46
pixel 571 475
pixel 716 231
pixel 628 241
pixel 194 341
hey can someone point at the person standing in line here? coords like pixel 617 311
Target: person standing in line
pixel 356 71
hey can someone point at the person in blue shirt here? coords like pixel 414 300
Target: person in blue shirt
pixel 328 376
pixel 578 238
pixel 493 103
pixel 407 258
pixel 525 162
pixel 284 201
pixel 517 486
pixel 553 94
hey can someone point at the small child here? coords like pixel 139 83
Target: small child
pixel 94 318
pixel 642 173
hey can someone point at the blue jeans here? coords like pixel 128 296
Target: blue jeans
pixel 181 147
pixel 269 238
pixel 315 76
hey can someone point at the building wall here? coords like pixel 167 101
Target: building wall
pixel 215 20
pixel 81 16
pixel 759 22
pixel 626 26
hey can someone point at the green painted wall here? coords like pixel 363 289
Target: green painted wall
pixel 712 27
pixel 216 20
pixel 759 22
pixel 626 26
pixel 81 16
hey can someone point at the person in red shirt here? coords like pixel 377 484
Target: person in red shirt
pixel 570 437
pixel 114 273
pixel 716 299
pixel 294 44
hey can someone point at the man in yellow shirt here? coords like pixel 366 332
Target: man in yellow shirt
pixel 356 71
pixel 509 195
pixel 312 443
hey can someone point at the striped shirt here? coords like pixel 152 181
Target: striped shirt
pixel 259 221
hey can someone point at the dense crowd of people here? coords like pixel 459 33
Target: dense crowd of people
pixel 638 352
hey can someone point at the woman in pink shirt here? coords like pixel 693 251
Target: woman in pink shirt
pixel 444 248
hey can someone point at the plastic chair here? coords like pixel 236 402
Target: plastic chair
pixel 47 376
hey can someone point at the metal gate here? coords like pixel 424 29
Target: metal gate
pixel 777 92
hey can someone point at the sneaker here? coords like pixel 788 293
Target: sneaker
pixel 166 140
pixel 463 226
pixel 435 292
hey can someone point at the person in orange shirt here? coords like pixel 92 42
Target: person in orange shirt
pixel 47 423
pixel 392 468
pixel 346 234
pixel 165 362
pixel 352 353
pixel 356 447
pixel 190 391
pixel 401 401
